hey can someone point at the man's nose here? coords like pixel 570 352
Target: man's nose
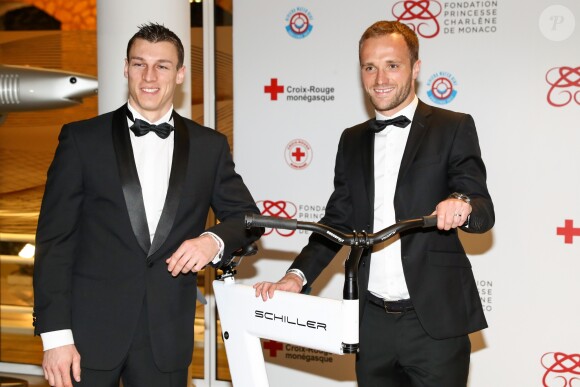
pixel 149 74
pixel 382 77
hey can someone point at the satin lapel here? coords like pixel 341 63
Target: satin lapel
pixel 367 150
pixel 130 178
pixel 416 134
pixel 176 179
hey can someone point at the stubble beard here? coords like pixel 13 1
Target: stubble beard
pixel 398 99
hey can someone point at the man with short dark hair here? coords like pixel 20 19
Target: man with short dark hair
pixel 121 233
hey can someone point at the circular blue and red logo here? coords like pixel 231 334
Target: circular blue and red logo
pixel 299 23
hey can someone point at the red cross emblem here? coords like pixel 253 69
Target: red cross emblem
pixel 274 89
pixel 568 231
pixel 273 347
pixel 298 154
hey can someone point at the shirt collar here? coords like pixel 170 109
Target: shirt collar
pixel 408 111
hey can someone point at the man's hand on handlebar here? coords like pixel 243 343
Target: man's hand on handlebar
pixel 452 213
pixel 289 283
pixel 292 282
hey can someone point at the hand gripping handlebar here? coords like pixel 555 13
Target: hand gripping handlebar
pixel 358 241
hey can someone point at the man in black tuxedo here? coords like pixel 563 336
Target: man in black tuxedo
pixel 418 297
pixel 121 233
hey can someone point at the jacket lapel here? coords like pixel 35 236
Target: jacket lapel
pixel 367 148
pixel 176 179
pixel 129 178
pixel 416 134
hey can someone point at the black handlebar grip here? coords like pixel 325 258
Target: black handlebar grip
pixel 253 220
pixel 429 221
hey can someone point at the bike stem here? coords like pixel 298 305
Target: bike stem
pixel 350 290
pixel 362 240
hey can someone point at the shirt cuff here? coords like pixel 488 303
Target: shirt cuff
pixel 56 339
pixel 299 273
pixel 220 243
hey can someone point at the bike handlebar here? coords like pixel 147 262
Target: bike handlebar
pixel 358 241
pixel 345 239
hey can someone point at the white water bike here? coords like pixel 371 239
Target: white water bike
pixel 319 323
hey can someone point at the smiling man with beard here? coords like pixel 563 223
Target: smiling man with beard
pixel 418 297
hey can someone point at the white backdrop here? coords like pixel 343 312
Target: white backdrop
pixel 516 68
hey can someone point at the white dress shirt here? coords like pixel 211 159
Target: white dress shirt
pixel 387 279
pixel 153 158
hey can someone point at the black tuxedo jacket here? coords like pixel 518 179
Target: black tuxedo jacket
pixel 441 156
pixel 96 267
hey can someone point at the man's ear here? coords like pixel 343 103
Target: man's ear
pixel 126 69
pixel 180 75
pixel 416 68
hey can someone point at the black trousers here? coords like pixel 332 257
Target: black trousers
pixel 138 369
pixel 395 351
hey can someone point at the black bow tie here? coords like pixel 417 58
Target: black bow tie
pixel 378 125
pixel 141 128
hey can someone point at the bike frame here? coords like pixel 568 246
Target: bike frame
pixel 319 323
